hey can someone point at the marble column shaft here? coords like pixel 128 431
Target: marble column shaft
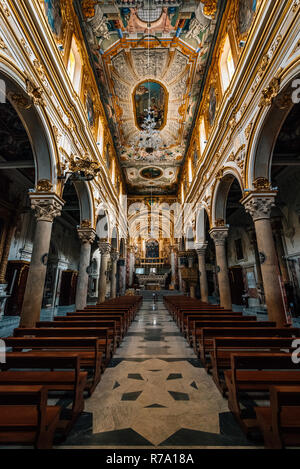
pixel 87 237
pixel 192 286
pixel 114 261
pixel 219 236
pixel 105 249
pixel 46 207
pixel 259 206
pixel 201 250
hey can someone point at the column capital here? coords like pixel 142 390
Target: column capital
pixel 46 206
pixel 259 204
pixel 201 248
pixel 219 235
pixel 115 256
pixel 86 235
pixel 104 248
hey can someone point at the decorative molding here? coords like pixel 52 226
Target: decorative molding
pixel 86 235
pixel 270 92
pixel 259 205
pixel 219 235
pixel 44 185
pixel 46 207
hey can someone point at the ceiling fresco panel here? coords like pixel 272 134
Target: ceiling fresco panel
pixel 150 53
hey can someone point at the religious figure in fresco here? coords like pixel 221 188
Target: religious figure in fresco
pixel 90 109
pixel 212 105
pixel 246 12
pixel 53 13
pixel 150 94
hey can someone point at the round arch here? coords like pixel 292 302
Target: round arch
pixel 202 219
pixel 85 198
pixel 35 122
pixel 267 128
pixel 220 195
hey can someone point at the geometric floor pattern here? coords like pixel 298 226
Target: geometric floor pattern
pixel 156 394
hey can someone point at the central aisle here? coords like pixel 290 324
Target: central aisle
pixel 156 393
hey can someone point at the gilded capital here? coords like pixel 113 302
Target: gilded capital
pixel 46 206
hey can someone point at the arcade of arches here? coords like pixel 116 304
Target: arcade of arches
pixel 93 207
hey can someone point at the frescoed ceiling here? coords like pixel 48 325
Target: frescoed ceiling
pixel 150 53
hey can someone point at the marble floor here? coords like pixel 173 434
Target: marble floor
pixel 155 393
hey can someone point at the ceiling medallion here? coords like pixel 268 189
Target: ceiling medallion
pixel 151 173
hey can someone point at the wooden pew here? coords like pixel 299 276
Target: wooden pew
pixel 189 320
pixel 125 317
pixel 256 372
pixel 118 319
pixel 102 333
pixel 198 326
pixel 25 417
pixel 88 348
pixel 184 315
pixel 223 347
pixel 67 377
pixel 208 333
pixel 280 423
pixel 97 324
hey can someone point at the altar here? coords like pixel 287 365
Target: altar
pixel 152 281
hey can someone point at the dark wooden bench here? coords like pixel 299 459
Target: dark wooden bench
pixel 254 373
pixel 280 423
pixel 208 333
pixel 198 326
pixel 25 417
pixel 223 347
pixel 65 375
pixel 118 319
pixel 105 343
pixel 99 314
pixel 112 334
pixel 88 348
pixel 189 320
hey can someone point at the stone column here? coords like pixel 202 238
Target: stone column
pixel 131 265
pixel 87 237
pixel 219 235
pixel 46 206
pixel 277 232
pixel 104 249
pixel 192 286
pixel 201 250
pixel 181 257
pixel 173 266
pixel 122 276
pixel 114 261
pixel 259 204
pixel 260 286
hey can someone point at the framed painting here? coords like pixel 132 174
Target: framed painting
pixel 90 109
pixel 212 105
pixel 150 94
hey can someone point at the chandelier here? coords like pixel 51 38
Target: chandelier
pixel 149 138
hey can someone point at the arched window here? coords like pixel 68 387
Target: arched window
pixel 202 132
pixel 227 66
pixel 74 67
pixel 100 137
pixel 190 171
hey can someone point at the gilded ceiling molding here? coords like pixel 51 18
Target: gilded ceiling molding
pixel 270 92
